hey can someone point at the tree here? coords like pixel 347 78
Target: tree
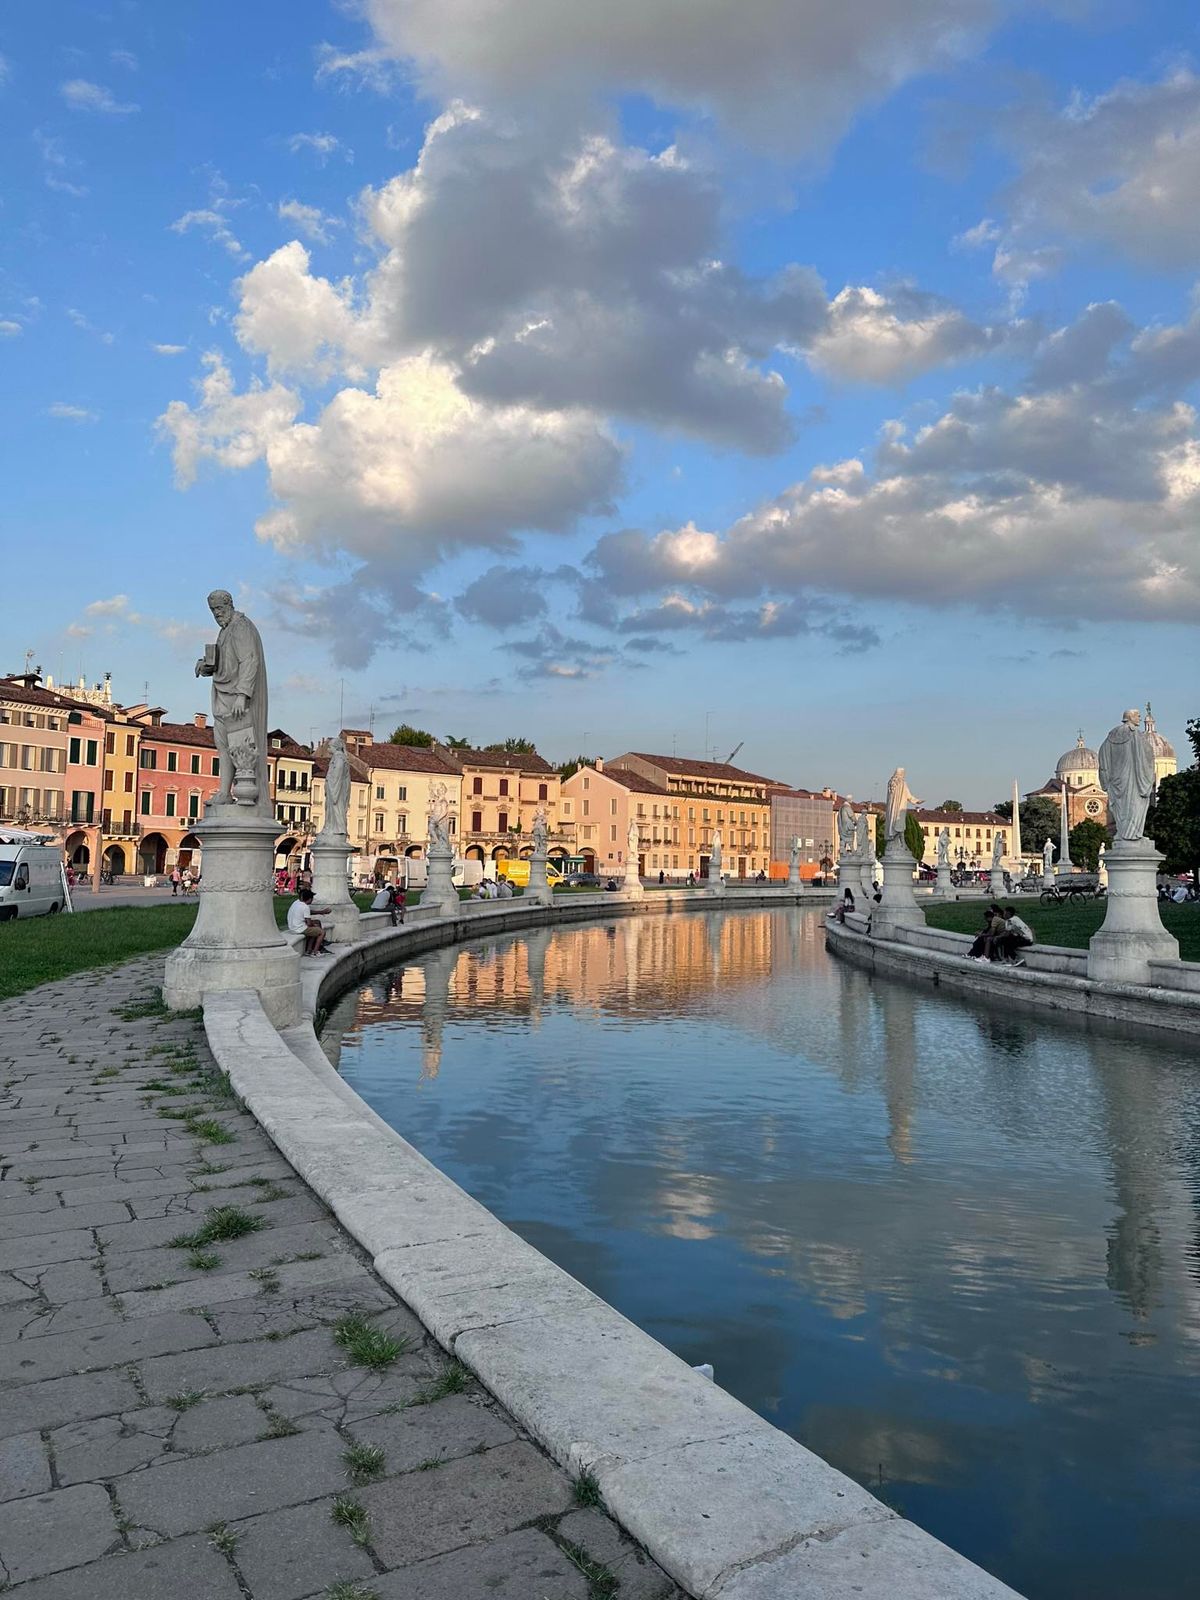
pixel 453 743
pixel 407 734
pixel 1085 839
pixel 569 767
pixel 1039 821
pixel 1174 822
pixel 515 747
pixel 880 838
pixel 951 805
pixel 913 837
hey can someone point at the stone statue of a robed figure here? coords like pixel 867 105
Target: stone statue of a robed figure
pixel 235 945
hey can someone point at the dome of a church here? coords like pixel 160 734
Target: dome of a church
pixel 1077 761
pixel 1164 750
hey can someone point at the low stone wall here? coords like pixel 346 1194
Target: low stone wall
pixel 730 1506
pixel 1054 977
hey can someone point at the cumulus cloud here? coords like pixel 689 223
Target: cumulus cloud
pixel 80 95
pixel 300 323
pixel 550 653
pixel 216 225
pixel 504 597
pixel 10 329
pixel 230 429
pixel 889 338
pixel 1120 170
pixel 311 221
pixel 788 74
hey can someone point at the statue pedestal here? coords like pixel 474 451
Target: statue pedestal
pixel 795 881
pixel 996 883
pixel 632 887
pixel 331 887
pixel 235 943
pixel 868 872
pixel 715 882
pixel 943 885
pixel 1132 934
pixel 439 892
pixel 898 907
pixel 538 888
pixel 849 871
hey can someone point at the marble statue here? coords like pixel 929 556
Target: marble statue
pixel 943 848
pixel 1048 858
pixel 714 855
pixel 439 812
pixel 239 706
pixel 795 861
pixel 337 790
pixel 631 839
pixel 847 827
pixel 900 800
pixel 541 831
pixel 997 852
pixel 1127 776
pixel 862 836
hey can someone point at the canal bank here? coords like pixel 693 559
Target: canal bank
pixel 726 1503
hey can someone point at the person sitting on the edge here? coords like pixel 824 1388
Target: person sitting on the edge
pixel 1017 936
pixel 845 904
pixel 993 924
pixel 303 917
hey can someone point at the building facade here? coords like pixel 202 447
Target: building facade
pixel 971 837
pixel 390 795
pixel 709 795
pixel 500 795
pixel 598 803
pixel 178 772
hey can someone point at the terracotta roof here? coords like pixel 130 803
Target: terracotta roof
pixel 179 733
pixel 992 817
pixel 685 766
pixel 526 761
pixel 629 779
pixel 19 694
pixel 406 758
pixel 287 746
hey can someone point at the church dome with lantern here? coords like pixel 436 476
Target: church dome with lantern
pixel 1165 761
pixel 1078 768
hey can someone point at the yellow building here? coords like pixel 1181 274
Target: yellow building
pixel 704 796
pixel 501 793
pixel 971 836
pixel 398 782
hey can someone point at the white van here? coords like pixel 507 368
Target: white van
pixel 32 883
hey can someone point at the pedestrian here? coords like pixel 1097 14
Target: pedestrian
pixel 662 877
pixel 303 917
pixel 176 879
pixel 1017 936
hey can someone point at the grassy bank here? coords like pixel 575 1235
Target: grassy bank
pixel 1068 925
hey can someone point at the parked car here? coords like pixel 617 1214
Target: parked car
pixel 584 880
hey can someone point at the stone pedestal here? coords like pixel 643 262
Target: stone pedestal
pixel 944 885
pixel 439 892
pixel 795 881
pixel 715 882
pixel 632 887
pixel 235 943
pixel 849 871
pixel 538 888
pixel 996 883
pixel 1132 934
pixel 898 907
pixel 868 874
pixel 331 887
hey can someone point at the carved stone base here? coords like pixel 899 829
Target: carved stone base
pixel 899 907
pixel 439 891
pixel 331 887
pixel 714 883
pixel 1132 934
pixel 538 888
pixel 868 875
pixel 632 887
pixel 996 883
pixel 795 881
pixel 235 943
pixel 944 885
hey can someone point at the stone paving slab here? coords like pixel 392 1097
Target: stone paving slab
pixel 182 1423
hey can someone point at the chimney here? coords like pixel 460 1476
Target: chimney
pixel 201 719
pixel 599 763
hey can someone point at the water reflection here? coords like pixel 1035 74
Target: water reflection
pixel 953 1250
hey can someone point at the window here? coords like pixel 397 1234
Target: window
pixel 612 833
pixel 403 824
pixel 379 822
pixel 130 743
pixel 129 783
pixel 172 800
pixel 379 791
pixel 502 822
pixel 476 785
pixel 149 759
pixel 195 765
pixel 543 791
pixel 93 752
pixel 612 807
pixel 108 778
pixel 172 761
pixel 587 808
pixel 144 803
pixel 477 822
pixel 83 803
pixel 194 804
pixel 587 782
pixel 73 752
pixel 402 793
pixel 503 785
pixel 110 743
pixel 216 766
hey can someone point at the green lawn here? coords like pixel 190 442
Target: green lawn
pixel 1072 926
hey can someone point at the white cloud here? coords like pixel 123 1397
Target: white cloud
pixel 225 427
pixel 790 74
pixel 169 349
pixel 876 338
pixel 57 165
pixel 300 323
pixel 69 413
pixel 216 225
pixel 80 95
pixel 311 221
pixel 10 329
pixel 85 326
pixel 373 68
pixel 322 146
pixel 124 58
pixel 115 606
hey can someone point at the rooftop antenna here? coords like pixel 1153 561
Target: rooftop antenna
pixel 29 655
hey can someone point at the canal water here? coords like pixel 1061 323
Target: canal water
pixel 954 1250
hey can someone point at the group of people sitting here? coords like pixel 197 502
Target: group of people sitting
pixel 1003 937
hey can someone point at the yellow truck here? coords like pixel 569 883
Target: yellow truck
pixel 517 872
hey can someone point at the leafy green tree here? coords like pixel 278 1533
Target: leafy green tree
pixel 952 805
pixel 1039 821
pixel 880 838
pixel 569 767
pixel 1085 839
pixel 407 734
pixel 515 747
pixel 913 837
pixel 1174 822
pixel 453 743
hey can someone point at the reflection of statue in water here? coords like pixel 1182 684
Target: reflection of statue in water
pixel 714 855
pixel 439 812
pixel 337 790
pixel 847 827
pixel 943 848
pixel 900 800
pixel 541 831
pixel 238 671
pixel 1127 777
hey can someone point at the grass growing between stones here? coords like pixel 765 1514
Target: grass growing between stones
pixel 221 1223
pixel 1067 925
pixel 364 1462
pixel 185 1399
pixel 602 1582
pixel 350 1589
pixel 586 1489
pixel 453 1379
pixel 365 1343
pixel 351 1514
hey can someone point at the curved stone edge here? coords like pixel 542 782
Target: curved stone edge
pixel 727 1504
pixel 1057 983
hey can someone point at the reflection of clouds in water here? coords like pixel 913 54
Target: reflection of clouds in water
pixel 954 1221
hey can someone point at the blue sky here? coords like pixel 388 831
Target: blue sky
pixel 609 373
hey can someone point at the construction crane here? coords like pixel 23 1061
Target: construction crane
pixel 732 753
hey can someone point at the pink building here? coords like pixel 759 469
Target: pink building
pixel 178 771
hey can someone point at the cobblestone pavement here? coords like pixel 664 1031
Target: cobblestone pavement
pixel 206 1394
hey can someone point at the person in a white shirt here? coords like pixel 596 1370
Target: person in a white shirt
pixel 303 918
pixel 1017 936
